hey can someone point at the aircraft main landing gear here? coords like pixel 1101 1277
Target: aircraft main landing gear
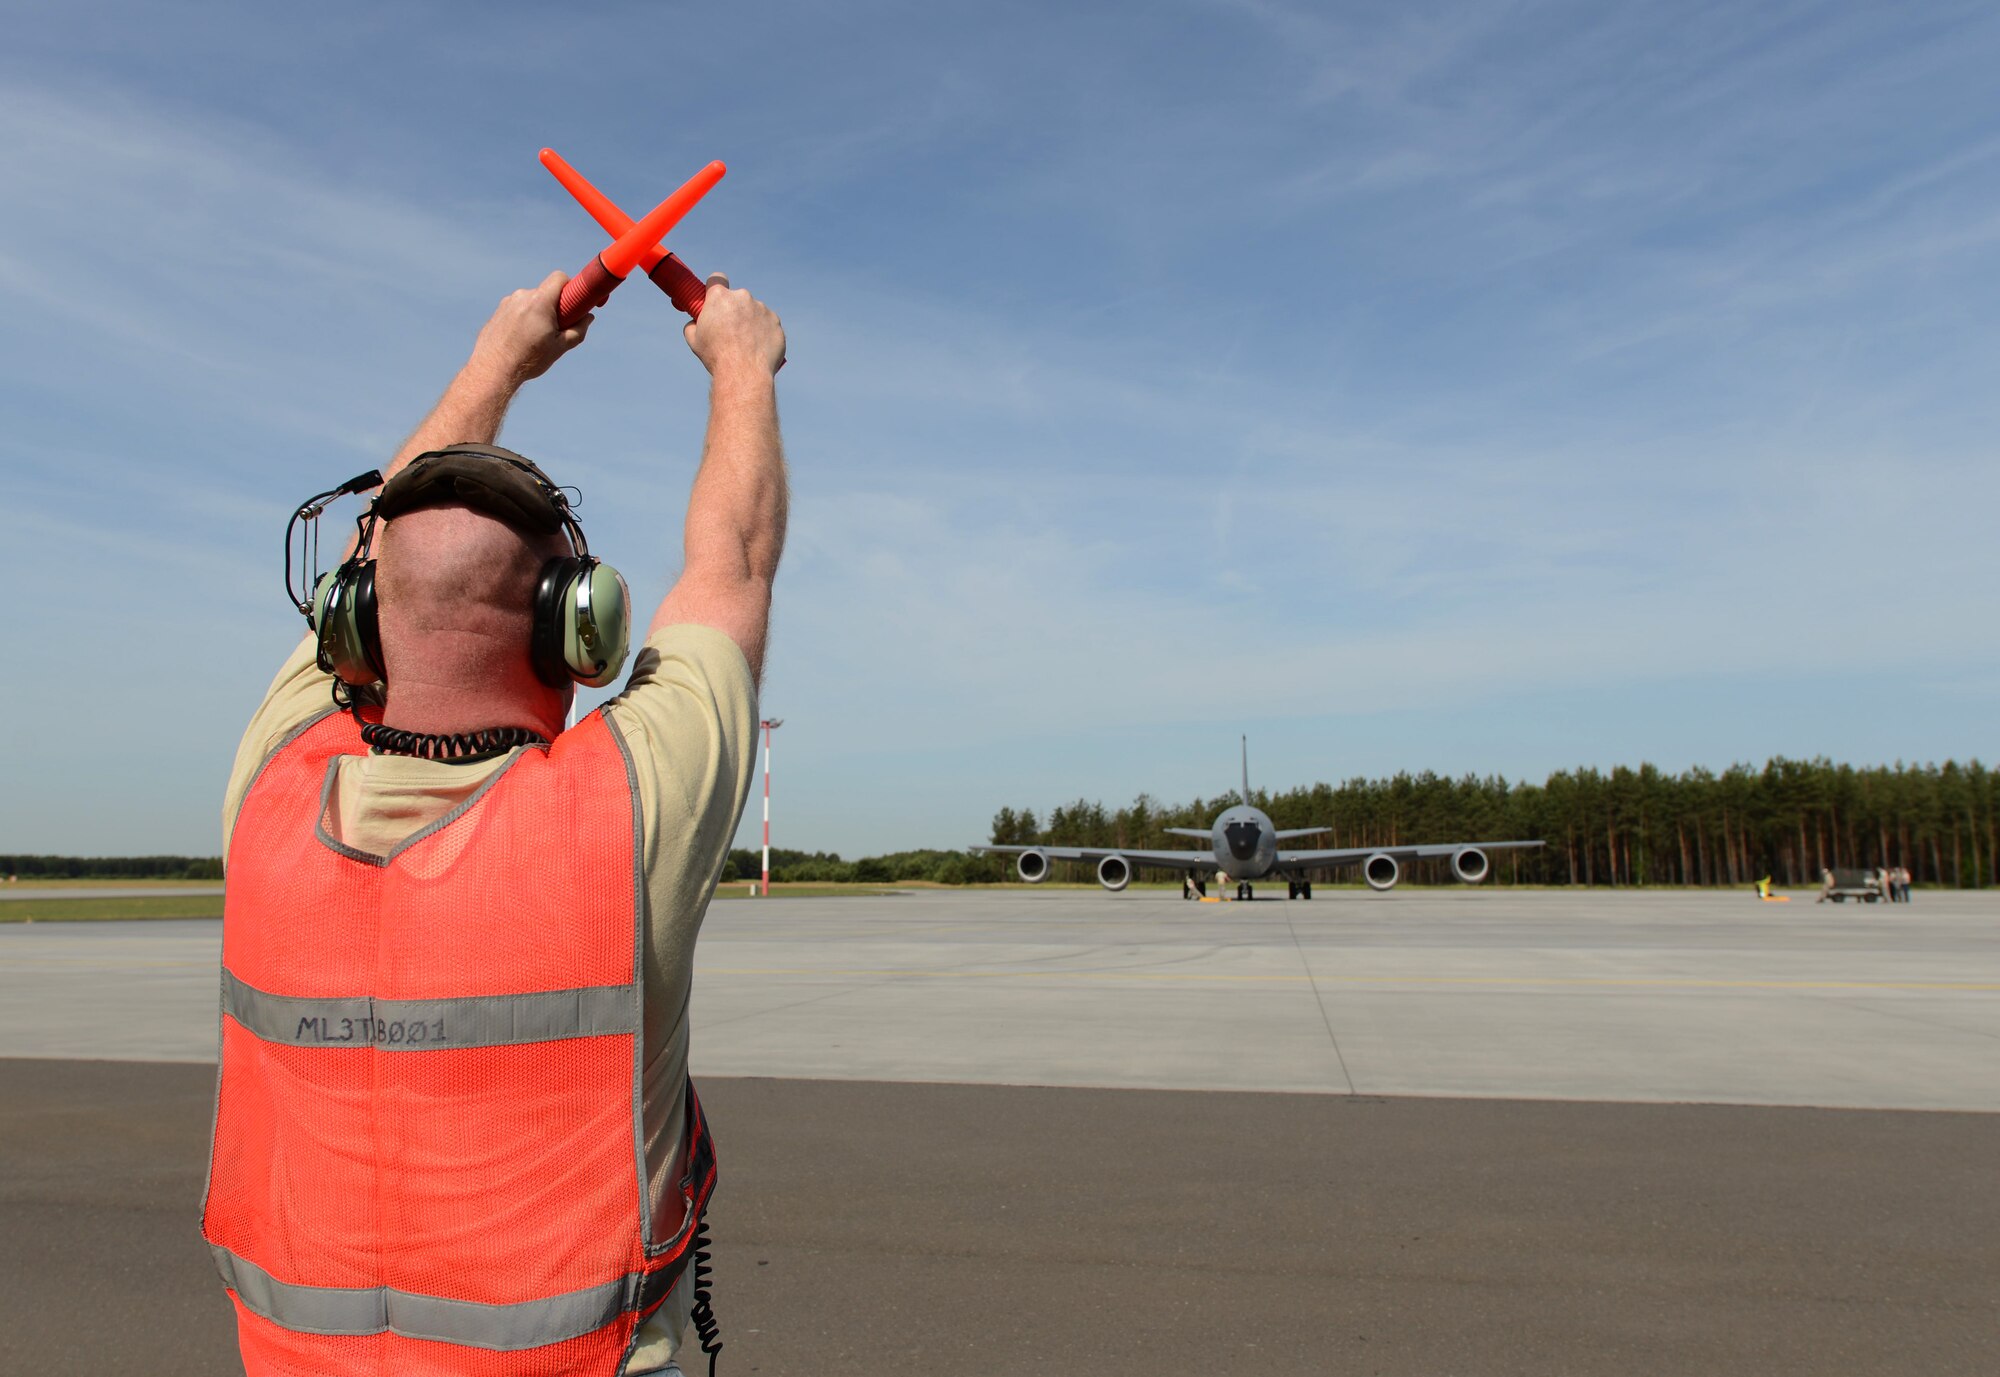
pixel 1192 887
pixel 1298 889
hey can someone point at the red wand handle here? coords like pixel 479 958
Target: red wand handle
pixel 688 292
pixel 585 292
pixel 682 287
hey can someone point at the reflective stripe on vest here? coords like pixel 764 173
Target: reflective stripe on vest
pixel 362 1310
pixel 495 1194
pixel 413 1025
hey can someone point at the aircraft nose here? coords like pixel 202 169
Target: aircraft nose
pixel 1242 838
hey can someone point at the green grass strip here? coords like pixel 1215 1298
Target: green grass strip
pixel 54 910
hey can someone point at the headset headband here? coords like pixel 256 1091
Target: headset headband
pixel 498 482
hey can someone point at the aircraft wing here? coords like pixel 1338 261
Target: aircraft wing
pixel 1167 860
pixel 1354 855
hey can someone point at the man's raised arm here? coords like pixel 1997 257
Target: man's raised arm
pixel 736 513
pixel 519 342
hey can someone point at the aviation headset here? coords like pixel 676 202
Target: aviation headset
pixel 582 612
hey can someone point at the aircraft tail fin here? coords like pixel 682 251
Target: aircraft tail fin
pixel 1246 771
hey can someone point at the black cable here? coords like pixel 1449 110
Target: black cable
pixel 308 512
pixel 461 747
pixel 703 1312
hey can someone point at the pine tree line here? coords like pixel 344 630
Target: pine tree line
pixel 112 867
pixel 1789 820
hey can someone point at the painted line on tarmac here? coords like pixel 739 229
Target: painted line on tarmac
pixel 1472 980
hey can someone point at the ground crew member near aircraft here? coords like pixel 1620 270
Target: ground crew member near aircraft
pixel 454 1131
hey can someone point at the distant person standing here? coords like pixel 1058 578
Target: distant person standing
pixel 1825 886
pixel 1903 883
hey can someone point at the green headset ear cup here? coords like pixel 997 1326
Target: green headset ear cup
pixel 583 623
pixel 344 617
pixel 545 641
pixel 596 625
pixel 368 622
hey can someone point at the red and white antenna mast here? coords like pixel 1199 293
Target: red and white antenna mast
pixel 769 725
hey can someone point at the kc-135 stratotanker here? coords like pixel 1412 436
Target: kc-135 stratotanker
pixel 1243 846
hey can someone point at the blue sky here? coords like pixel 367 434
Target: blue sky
pixel 1438 386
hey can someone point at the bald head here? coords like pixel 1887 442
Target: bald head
pixel 456 593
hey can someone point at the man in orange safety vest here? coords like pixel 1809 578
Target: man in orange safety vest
pixel 454 1128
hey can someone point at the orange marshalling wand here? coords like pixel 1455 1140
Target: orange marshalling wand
pixel 634 244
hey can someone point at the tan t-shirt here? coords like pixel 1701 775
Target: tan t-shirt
pixel 688 716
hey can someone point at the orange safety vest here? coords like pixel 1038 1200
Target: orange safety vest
pixel 430 1146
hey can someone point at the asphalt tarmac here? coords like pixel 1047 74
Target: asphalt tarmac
pixel 903 1229
pixel 1273 1138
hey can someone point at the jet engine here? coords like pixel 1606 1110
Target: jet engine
pixel 1381 871
pixel 1032 866
pixel 1470 865
pixel 1114 873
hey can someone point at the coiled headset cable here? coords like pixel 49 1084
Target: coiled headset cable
pixel 460 748
pixel 702 1313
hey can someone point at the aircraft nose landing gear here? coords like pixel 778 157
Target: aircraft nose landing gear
pixel 1243 890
